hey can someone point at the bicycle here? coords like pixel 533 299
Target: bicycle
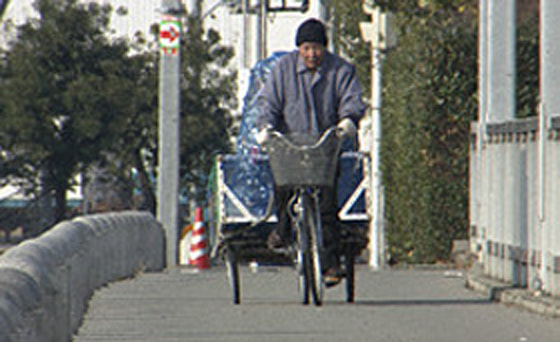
pixel 305 168
pixel 303 165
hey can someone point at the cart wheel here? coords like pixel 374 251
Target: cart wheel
pixel 349 259
pixel 233 273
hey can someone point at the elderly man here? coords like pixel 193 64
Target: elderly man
pixel 308 91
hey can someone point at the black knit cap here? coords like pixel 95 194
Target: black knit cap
pixel 311 30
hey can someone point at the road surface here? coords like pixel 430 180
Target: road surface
pixel 182 304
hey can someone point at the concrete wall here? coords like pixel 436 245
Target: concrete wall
pixel 46 282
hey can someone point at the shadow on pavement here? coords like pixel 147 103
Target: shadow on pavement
pixel 424 302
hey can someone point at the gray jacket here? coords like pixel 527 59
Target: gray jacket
pixel 294 100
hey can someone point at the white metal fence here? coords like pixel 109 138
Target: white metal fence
pixel 514 180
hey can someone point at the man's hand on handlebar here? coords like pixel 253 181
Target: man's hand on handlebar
pixel 263 135
pixel 346 128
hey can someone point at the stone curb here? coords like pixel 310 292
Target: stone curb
pixel 506 294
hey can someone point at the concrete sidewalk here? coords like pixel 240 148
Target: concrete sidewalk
pixel 422 305
pixel 506 294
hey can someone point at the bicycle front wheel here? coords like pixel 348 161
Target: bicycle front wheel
pixel 303 264
pixel 311 219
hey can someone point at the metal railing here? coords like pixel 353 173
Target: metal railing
pixel 514 187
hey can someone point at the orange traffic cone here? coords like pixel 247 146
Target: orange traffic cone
pixel 185 245
pixel 198 255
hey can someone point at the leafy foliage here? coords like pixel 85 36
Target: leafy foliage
pixel 429 100
pixel 207 97
pixel 73 97
pixel 347 40
pixel 419 8
pixel 62 95
pixel 208 91
pixel 427 117
pixel 527 62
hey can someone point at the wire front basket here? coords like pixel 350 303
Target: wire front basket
pixel 303 162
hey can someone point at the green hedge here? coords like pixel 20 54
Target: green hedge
pixel 429 101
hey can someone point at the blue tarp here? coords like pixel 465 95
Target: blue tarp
pixel 253 185
pixel 246 144
pixel 250 177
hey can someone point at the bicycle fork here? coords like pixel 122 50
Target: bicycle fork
pixel 298 207
pixel 297 215
pixel 317 218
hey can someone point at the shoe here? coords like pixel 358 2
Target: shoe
pixel 333 276
pixel 275 241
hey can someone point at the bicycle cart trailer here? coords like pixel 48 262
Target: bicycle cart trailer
pixel 243 213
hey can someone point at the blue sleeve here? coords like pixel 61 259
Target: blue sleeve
pixel 270 100
pixel 350 102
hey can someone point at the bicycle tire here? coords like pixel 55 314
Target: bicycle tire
pixel 302 262
pixel 232 266
pixel 315 270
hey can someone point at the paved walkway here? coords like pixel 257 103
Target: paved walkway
pixel 497 291
pixel 403 305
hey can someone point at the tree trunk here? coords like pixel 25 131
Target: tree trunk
pixel 148 197
pixel 60 203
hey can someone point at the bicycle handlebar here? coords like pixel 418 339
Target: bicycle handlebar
pixel 324 137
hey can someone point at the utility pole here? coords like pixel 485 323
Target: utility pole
pixel 325 17
pixel 169 126
pixel 377 32
pixel 549 107
pixel 262 29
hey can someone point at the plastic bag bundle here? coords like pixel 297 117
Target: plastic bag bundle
pixel 246 143
pixel 251 178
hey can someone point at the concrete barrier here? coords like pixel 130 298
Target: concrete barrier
pixel 46 282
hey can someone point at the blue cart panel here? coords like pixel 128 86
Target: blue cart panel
pixel 244 190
